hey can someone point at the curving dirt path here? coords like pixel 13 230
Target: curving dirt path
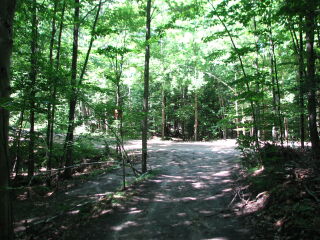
pixel 188 199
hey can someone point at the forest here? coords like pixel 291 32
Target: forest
pixel 159 119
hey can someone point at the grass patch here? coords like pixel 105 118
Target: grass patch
pixel 147 175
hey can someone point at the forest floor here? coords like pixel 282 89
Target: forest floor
pixel 187 197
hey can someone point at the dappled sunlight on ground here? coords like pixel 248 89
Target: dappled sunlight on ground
pixel 188 199
pixel 124 225
pixel 219 238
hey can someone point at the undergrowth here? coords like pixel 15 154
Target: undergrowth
pixel 290 179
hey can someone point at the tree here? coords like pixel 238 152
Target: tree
pixel 311 78
pixel 6 28
pixel 75 83
pixel 51 82
pixel 218 69
pixel 32 87
pixel 246 77
pixel 52 110
pixel 73 92
pixel 146 89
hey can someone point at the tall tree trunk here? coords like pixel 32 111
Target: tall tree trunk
pixel 278 98
pixel 6 16
pixel 311 79
pixel 54 93
pixel 74 83
pixel 184 102
pixel 237 118
pixel 18 148
pixel 163 113
pixel 33 78
pixel 118 115
pixel 146 90
pixel 299 49
pixel 274 97
pixel 258 87
pixel 93 32
pixel 286 130
pixel 243 121
pixel 275 83
pixel 73 96
pixel 318 32
pixel 301 84
pixel 196 116
pixel 50 77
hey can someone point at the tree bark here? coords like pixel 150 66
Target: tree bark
pixel 50 79
pixel 73 97
pixel 54 94
pixel 311 79
pixel 6 22
pixel 93 32
pixel 301 85
pixel 275 83
pixel 75 84
pixel 299 50
pixel 146 90
pixel 196 117
pixel 163 115
pixel 257 87
pixel 274 97
pixel 18 148
pixel 118 114
pixel 237 118
pixel 286 130
pixel 278 98
pixel 33 79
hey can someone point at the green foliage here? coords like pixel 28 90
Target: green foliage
pixel 219 50
pixel 246 145
pixel 85 148
pixel 112 52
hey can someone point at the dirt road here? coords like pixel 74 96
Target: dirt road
pixel 188 199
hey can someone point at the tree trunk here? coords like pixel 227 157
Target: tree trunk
pixel 18 149
pixel 301 85
pixel 50 77
pixel 6 16
pixel 54 94
pixel 278 98
pixel 275 86
pixel 258 87
pixel 118 115
pixel 73 96
pixel 243 121
pixel 237 118
pixel 33 78
pixel 163 126
pixel 146 90
pixel 196 117
pixel 183 127
pixel 299 49
pixel 274 97
pixel 286 130
pixel 311 79
pixel 93 32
